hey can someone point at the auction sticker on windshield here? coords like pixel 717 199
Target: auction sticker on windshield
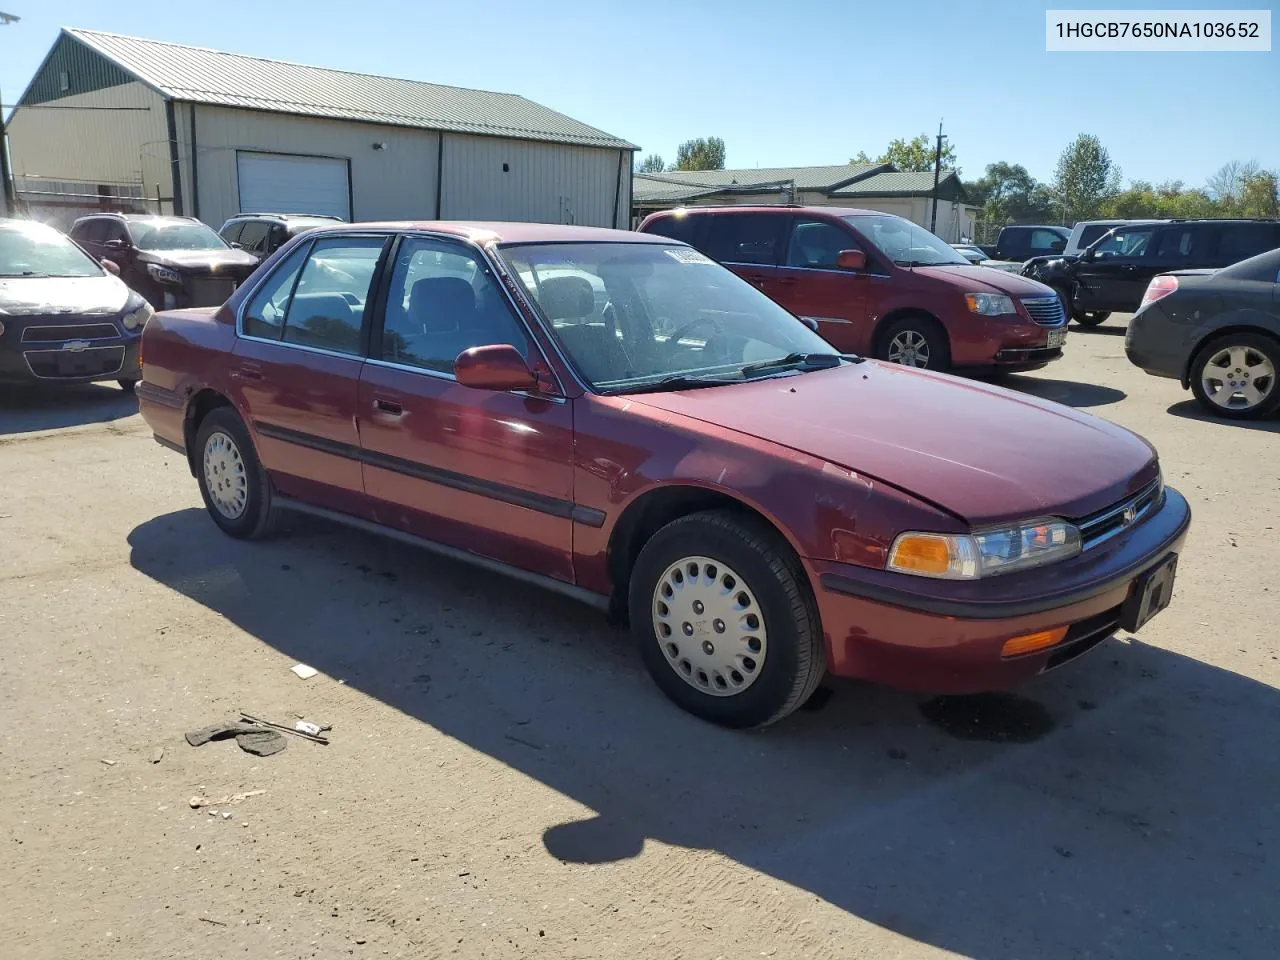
pixel 684 255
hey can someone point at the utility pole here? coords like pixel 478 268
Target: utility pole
pixel 8 205
pixel 937 170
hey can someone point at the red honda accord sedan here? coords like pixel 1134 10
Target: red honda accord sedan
pixel 615 416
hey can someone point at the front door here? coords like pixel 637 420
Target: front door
pixel 486 472
pixel 296 368
pixel 810 285
pixel 1117 275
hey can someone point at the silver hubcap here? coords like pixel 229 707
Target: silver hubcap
pixel 910 349
pixel 1238 378
pixel 709 625
pixel 224 476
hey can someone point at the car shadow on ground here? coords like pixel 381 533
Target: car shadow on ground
pixel 1070 392
pixel 1109 328
pixel 1141 822
pixel 1191 410
pixel 25 409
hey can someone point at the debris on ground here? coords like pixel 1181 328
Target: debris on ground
pixel 251 737
pixel 306 726
pixel 157 754
pixel 109 763
pixel 197 802
pixel 297 731
pixel 303 671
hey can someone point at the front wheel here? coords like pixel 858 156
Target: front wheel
pixel 915 342
pixel 725 619
pixel 1234 376
pixel 235 487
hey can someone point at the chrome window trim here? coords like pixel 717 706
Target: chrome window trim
pixel 846 273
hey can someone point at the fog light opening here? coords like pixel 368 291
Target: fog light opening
pixel 1031 642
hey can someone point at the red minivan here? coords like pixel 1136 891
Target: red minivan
pixel 879 285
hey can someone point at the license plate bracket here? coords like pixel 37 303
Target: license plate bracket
pixel 1149 594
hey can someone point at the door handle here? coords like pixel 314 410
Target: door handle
pixel 388 406
pixel 247 371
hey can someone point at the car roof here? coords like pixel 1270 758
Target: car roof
pixel 286 216
pixel 778 208
pixel 108 214
pixel 484 231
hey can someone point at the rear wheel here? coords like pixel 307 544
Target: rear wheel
pixel 1234 376
pixel 915 341
pixel 235 487
pixel 725 619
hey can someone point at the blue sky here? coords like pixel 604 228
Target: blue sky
pixel 798 82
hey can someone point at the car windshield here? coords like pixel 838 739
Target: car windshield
pixel 643 316
pixel 171 235
pixel 903 242
pixel 35 250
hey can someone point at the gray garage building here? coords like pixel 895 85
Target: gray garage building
pixel 115 122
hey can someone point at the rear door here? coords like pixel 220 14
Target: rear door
pixel 488 472
pixel 1116 276
pixel 750 244
pixel 811 286
pixel 296 367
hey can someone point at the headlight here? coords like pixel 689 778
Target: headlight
pixel 984 553
pixel 989 304
pixel 137 318
pixel 163 274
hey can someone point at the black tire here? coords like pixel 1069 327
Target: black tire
pixel 1254 344
pixel 921 328
pixel 1090 318
pixel 254 520
pixel 794 658
pixel 128 386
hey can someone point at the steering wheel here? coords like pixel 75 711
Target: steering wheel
pixel 679 334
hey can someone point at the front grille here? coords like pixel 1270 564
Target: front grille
pixel 209 291
pixel 1106 523
pixel 79 331
pixel 1046 311
pixel 75 364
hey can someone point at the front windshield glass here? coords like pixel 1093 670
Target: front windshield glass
pixel 170 235
pixel 903 242
pixel 630 315
pixel 35 250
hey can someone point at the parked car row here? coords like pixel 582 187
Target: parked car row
pixel 617 417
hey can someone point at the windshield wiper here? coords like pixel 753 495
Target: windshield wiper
pixel 26 274
pixel 679 381
pixel 809 361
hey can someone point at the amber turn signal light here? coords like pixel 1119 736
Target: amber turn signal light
pixel 1031 642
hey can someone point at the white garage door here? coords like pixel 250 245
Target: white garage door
pixel 272 183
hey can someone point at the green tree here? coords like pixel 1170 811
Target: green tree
pixel 1258 196
pixel 1085 177
pixel 1008 194
pixel 705 153
pixel 1227 184
pixel 914 155
pixel 651 164
pixel 862 159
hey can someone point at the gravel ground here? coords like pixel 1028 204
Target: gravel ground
pixel 504 781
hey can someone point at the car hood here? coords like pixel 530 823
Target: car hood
pixel 44 296
pixel 202 259
pixel 983 453
pixel 986 280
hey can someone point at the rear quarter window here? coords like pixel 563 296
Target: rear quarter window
pixel 754 238
pixel 1240 241
pixel 677 228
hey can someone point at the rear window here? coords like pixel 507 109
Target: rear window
pixel 1243 240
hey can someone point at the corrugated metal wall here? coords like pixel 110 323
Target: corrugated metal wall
pixel 492 178
pixel 394 183
pixel 122 138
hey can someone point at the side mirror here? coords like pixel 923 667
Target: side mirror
pixel 111 267
pixel 851 260
pixel 1058 246
pixel 116 245
pixel 811 323
pixel 237 246
pixel 496 366
pixel 1088 255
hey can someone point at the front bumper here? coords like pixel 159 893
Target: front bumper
pixel 1009 344
pixel 942 636
pixel 67 349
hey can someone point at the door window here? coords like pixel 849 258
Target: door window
pixel 1044 239
pixel 745 237
pixel 816 244
pixel 91 231
pixel 1013 241
pixel 264 316
pixel 114 230
pixel 254 236
pixel 231 231
pixel 1124 243
pixel 327 308
pixel 443 300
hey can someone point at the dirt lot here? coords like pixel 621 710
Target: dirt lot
pixel 504 780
